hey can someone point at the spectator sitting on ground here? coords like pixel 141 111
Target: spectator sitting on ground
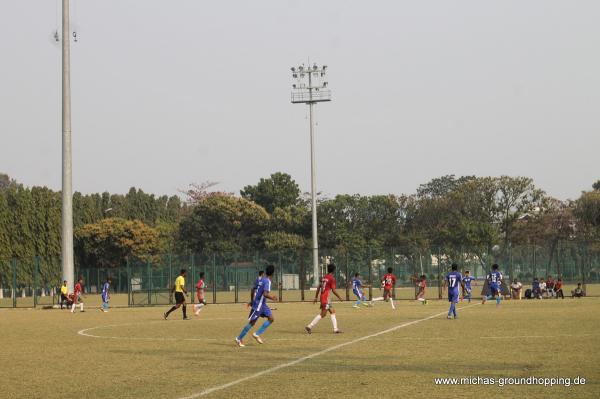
pixel 535 289
pixel 550 286
pixel 542 288
pixel 515 289
pixel 70 300
pixel 558 288
pixel 578 292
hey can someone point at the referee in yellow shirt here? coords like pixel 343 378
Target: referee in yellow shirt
pixel 64 294
pixel 180 293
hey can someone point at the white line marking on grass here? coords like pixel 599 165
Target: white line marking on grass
pixel 498 337
pixel 313 355
pixel 336 340
pixel 540 336
pixel 85 332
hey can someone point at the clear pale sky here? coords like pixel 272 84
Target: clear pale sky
pixel 166 93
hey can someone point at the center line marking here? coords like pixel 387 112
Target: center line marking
pixel 313 355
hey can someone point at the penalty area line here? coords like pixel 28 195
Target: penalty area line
pixel 208 391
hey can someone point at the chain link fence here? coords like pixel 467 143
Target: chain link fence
pixel 230 276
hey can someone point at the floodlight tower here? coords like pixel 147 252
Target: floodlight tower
pixel 310 88
pixel 68 269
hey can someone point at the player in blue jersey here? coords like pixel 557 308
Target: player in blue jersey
pixel 453 281
pixel 261 274
pixel 358 291
pixel 467 289
pixel 106 294
pixel 494 279
pixel 259 308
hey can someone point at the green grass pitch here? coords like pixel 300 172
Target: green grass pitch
pixel 134 353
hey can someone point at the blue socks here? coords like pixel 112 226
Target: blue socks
pixel 452 309
pixel 498 299
pixel 245 330
pixel 357 303
pixel 249 326
pixel 262 328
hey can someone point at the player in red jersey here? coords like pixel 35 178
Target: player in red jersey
pixel 421 283
pixel 326 287
pixel 388 282
pixel 200 287
pixel 77 291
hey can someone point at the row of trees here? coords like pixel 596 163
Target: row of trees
pixel 457 214
pixel 108 227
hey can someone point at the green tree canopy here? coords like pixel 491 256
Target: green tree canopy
pixel 587 210
pixel 278 240
pixel 358 221
pixel 109 242
pixel 470 215
pixel 460 214
pixel 516 197
pixel 277 191
pixel 294 219
pixel 5 250
pixel 221 222
pixel 441 186
pixel 6 182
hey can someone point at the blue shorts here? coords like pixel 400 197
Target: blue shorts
pixel 453 297
pixel 359 295
pixel 494 290
pixel 264 311
pixel 104 298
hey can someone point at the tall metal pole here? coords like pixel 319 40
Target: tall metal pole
pixel 313 185
pixel 313 182
pixel 67 189
pixel 315 92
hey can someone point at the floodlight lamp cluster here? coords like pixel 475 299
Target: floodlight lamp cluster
pixel 302 71
pixel 310 85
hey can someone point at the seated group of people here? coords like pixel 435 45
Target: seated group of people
pixel 547 289
pixel 552 289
